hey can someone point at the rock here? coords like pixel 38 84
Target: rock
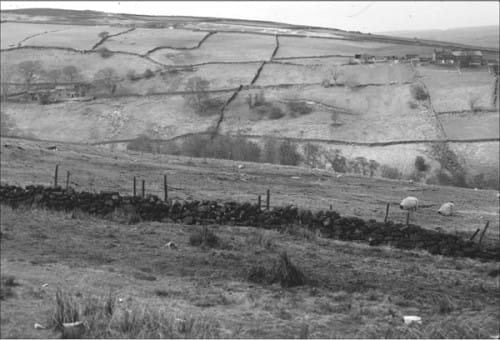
pixel 73 330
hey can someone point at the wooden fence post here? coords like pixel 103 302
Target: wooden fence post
pixel 134 186
pixel 331 207
pixel 67 179
pixel 268 199
pixel 387 212
pixel 407 218
pixel 55 175
pixel 165 187
pixel 474 235
pixel 484 232
pixel 258 201
pixel 143 188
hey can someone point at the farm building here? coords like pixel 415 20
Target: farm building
pixel 458 58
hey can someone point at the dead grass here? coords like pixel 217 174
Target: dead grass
pixel 283 271
pixel 204 237
pixel 103 318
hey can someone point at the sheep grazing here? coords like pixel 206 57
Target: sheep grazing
pixel 409 203
pixel 447 209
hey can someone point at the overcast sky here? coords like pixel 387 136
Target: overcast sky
pixel 365 16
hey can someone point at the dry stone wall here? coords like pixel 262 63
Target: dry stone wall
pixel 330 223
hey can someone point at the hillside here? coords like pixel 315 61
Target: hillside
pixel 484 36
pixel 311 87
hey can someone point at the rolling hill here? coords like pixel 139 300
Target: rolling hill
pixel 312 89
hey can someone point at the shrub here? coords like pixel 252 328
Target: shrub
pixel 210 106
pixel 418 92
pixel 449 163
pixel 298 108
pixel 148 74
pixel 412 104
pixel 390 172
pixel 420 164
pixel 274 112
pixel 338 162
pixel 131 75
pixel 104 52
pixel 204 237
pixel 288 154
pixel 103 34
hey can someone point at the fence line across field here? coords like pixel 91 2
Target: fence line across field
pixel 152 189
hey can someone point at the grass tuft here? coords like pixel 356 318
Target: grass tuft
pixel 204 237
pixel 283 271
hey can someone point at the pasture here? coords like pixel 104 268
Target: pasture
pixel 12 33
pixel 362 113
pixel 349 74
pixel 471 126
pixel 353 289
pixel 464 90
pixel 221 47
pixel 106 119
pixel 311 47
pixel 82 37
pixel 87 63
pixel 142 40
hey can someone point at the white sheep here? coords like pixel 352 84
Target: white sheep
pixel 409 203
pixel 447 209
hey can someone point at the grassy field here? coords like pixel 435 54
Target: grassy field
pixel 78 37
pixel 368 112
pixel 471 126
pixel 327 61
pixel 12 33
pixel 106 119
pixel 87 64
pixel 352 290
pixel 451 90
pixel 355 74
pixel 98 169
pixel 300 47
pixel 142 40
pixel 221 47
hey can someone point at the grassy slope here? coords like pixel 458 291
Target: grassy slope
pixel 98 169
pixel 356 291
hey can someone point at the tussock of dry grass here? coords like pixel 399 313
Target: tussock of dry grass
pixel 204 237
pixel 282 271
pixel 104 319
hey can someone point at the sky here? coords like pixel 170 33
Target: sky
pixel 364 16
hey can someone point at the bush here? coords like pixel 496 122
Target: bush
pixel 449 163
pixel 298 108
pixel 148 74
pixel 338 162
pixel 288 154
pixel 412 104
pixel 274 112
pixel 210 107
pixel 418 92
pixel 131 75
pixel 104 52
pixel 390 172
pixel 420 164
pixel 6 284
pixel 204 237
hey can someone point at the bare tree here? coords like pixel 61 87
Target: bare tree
pixel 54 76
pixel 108 77
pixel 199 95
pixel 71 73
pixel 29 71
pixel 103 34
